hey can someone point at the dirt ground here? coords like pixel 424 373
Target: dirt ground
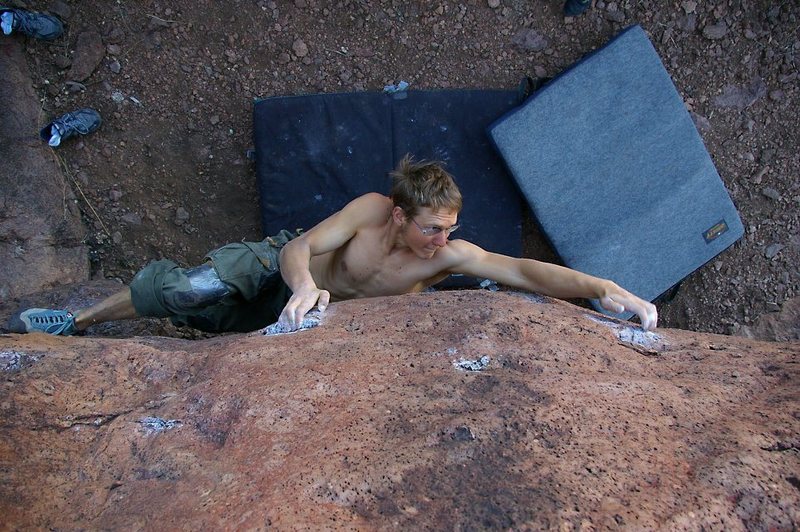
pixel 168 176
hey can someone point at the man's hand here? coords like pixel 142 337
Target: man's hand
pixel 621 300
pixel 301 302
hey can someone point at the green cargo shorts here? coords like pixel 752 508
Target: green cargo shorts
pixel 250 270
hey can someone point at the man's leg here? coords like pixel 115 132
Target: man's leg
pixel 63 322
pixel 160 290
pixel 116 307
pixel 223 296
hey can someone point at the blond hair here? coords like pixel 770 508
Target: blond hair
pixel 417 184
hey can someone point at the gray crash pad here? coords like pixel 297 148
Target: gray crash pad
pixel 615 171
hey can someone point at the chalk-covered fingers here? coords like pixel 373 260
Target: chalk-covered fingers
pixel 300 303
pixel 649 316
pixel 625 301
pixel 324 299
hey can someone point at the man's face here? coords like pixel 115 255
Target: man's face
pixel 428 230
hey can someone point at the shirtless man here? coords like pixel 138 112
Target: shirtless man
pixel 374 246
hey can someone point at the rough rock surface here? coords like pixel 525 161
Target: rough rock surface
pixel 40 228
pixel 368 421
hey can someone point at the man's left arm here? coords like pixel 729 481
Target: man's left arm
pixel 548 279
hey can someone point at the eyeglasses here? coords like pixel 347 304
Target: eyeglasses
pixel 433 231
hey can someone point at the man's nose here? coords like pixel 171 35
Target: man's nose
pixel 440 239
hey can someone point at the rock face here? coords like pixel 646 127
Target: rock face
pixel 780 326
pixel 40 227
pixel 373 420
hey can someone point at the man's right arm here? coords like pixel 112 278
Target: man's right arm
pixel 548 279
pixel 294 258
pixel 329 235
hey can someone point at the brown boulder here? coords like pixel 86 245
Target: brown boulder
pixel 783 326
pixel 369 421
pixel 40 227
pixel 89 52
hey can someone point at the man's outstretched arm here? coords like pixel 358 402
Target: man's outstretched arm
pixel 548 279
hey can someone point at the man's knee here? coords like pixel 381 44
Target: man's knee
pixel 162 289
pixel 194 289
pixel 146 289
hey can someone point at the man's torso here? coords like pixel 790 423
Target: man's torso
pixel 366 267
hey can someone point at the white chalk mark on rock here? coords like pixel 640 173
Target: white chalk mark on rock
pixel 10 360
pixel 155 425
pixel 311 320
pixel 15 360
pixel 631 334
pixel 472 365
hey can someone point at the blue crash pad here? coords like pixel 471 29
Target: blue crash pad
pixel 315 153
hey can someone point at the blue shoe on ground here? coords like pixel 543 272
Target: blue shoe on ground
pixel 57 322
pixel 80 122
pixel 573 8
pixel 31 23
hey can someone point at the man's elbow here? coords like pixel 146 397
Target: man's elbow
pixel 293 248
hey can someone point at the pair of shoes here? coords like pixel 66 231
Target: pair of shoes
pixel 573 8
pixel 57 322
pixel 31 23
pixel 80 122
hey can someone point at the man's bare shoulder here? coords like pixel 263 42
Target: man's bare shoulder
pixel 374 200
pixel 458 252
pixel 463 248
pixel 369 207
pixel 369 210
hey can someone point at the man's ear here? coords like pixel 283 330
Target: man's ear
pixel 399 215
